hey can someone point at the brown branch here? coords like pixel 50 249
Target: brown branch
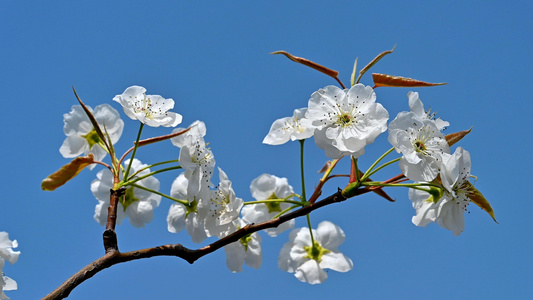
pixel 115 257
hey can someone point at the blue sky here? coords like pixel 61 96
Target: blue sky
pixel 213 59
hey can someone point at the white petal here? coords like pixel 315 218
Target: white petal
pixel 336 261
pixel 329 235
pixel 311 272
pixel 176 218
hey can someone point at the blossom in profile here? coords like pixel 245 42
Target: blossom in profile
pixel 7 253
pixel 137 204
pixel 191 216
pixel 81 135
pixel 346 120
pixel 224 207
pixel 307 260
pixel 268 187
pixel 446 205
pixel 417 107
pixel 197 130
pixel 152 110
pixel 290 128
pixel 246 250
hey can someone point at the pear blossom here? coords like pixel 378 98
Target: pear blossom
pixel 417 107
pixel 224 207
pixel 267 187
pixel 245 250
pixel 152 110
pixel 290 128
pixel 192 217
pixel 197 130
pixel 446 205
pixel 81 135
pixel 308 261
pixel 346 120
pixel 422 144
pixel 137 204
pixel 198 162
pixel 7 253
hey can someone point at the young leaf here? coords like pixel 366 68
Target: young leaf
pixel 399 81
pixel 352 78
pixel 66 173
pixel 93 121
pixel 309 63
pixel 453 138
pixel 373 62
pixel 480 200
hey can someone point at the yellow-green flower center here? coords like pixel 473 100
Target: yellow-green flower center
pixel 245 240
pixel 128 198
pixel 192 207
pixel 92 138
pixel 273 206
pixel 315 252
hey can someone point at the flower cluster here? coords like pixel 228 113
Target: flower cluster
pixel 7 253
pixel 343 122
pixel 427 160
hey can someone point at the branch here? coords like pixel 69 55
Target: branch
pixel 115 257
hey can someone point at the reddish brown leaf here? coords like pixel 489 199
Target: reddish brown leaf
pixel 478 198
pixel 399 81
pixel 373 62
pixel 309 63
pixel 453 138
pixel 66 173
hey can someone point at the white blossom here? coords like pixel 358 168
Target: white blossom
pixel 446 205
pixel 81 135
pixel 308 261
pixel 246 250
pixel 422 144
pixel 267 187
pixel 7 253
pixel 137 204
pixel 198 162
pixel 290 128
pixel 152 110
pixel 224 207
pixel 192 216
pixel 417 107
pixel 346 120
pixel 197 130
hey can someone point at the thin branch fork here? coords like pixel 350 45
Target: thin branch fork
pixel 115 257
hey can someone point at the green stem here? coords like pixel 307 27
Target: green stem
pixel 134 150
pixel 130 182
pixel 285 210
pixel 157 164
pixel 298 203
pixel 310 230
pixel 365 176
pixel 304 198
pixel 383 166
pixel 184 202
pixel 416 186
